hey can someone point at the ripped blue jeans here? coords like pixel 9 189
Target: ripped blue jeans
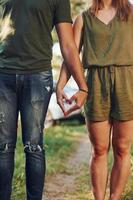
pixel 28 94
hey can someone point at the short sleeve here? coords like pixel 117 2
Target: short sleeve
pixel 62 12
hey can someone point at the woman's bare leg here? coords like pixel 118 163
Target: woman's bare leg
pixel 122 140
pixel 99 133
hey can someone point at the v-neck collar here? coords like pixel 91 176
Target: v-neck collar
pixel 99 20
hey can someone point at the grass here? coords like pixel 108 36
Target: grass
pixel 60 142
pixel 83 186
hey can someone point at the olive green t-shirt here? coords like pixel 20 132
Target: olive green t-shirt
pixel 106 45
pixel 25 33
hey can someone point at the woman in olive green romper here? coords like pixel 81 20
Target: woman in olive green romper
pixel 105 32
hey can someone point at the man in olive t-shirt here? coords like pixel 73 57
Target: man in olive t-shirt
pixel 26 82
pixel 27 46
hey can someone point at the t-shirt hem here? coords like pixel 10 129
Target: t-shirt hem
pixel 30 71
pixel 63 21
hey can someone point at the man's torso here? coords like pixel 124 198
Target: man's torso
pixel 25 33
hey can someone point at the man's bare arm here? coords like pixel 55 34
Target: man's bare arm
pixel 70 53
pixel 73 65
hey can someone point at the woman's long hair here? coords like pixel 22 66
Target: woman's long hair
pixel 123 7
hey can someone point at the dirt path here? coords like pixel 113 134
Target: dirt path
pixel 59 185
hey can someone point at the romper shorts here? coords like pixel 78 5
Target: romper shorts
pixel 110 93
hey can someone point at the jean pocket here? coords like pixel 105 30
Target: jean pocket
pixel 46 77
pixel 42 86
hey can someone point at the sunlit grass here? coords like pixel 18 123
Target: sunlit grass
pixel 60 142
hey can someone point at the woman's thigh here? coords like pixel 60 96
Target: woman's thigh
pixel 122 135
pixel 99 133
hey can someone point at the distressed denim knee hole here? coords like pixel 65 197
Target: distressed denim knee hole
pixel 32 148
pixel 2 117
pixel 6 148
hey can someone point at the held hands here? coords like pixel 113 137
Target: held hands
pixel 75 102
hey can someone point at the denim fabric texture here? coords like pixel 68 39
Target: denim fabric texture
pixel 28 94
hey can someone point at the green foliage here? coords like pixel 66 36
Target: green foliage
pixel 60 142
pixel 77 6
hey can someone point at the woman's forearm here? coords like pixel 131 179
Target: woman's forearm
pixel 63 77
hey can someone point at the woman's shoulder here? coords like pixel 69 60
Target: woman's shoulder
pixel 79 20
pixel 80 17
